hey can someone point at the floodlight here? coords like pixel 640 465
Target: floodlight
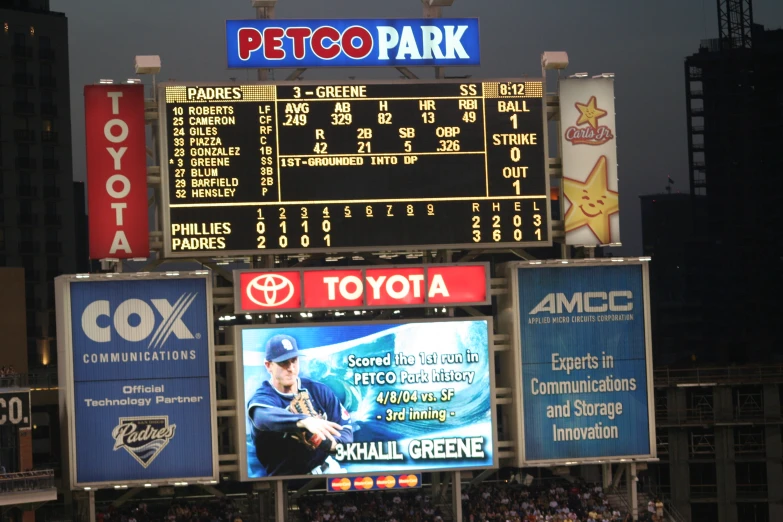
pixel 554 60
pixel 147 64
pixel 263 3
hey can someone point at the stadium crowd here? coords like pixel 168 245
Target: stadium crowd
pixel 375 506
pixel 488 502
pixel 215 510
pixel 493 502
pixel 553 502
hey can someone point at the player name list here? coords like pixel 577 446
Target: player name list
pixel 328 167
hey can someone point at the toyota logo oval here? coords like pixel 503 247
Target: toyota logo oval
pixel 270 290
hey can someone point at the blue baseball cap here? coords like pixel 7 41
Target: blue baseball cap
pixel 280 348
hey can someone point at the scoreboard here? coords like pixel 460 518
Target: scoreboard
pixel 330 167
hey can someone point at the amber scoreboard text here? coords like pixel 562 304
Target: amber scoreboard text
pixel 270 168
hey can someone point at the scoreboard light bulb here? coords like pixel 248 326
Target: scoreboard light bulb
pixel 248 316
pixel 309 314
pixel 356 312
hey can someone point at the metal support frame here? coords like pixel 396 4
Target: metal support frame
pixel 307 487
pixel 91 501
pixel 633 498
pixel 456 495
pixel 433 11
pixel 281 500
pixel 478 479
pixel 264 13
pixel 132 492
pixel 212 490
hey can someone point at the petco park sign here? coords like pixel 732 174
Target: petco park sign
pixel 351 288
pixel 352 43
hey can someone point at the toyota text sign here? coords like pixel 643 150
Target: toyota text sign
pixel 116 171
pixel 352 43
pixel 361 287
pixel 138 382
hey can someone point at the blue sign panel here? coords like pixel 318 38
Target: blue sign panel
pixel 398 397
pixel 584 362
pixel 352 43
pixel 141 367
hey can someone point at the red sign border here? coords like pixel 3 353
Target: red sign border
pixel 238 291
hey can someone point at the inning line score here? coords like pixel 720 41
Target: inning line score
pixel 271 168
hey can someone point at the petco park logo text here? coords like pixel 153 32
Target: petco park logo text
pixel 346 43
pixel 409 285
pixel 136 320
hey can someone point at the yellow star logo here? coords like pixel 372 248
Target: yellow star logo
pixel 592 203
pixel 590 113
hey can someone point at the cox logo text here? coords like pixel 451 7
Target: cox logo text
pixel 142 327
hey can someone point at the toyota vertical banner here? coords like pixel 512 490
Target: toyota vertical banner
pixel 139 378
pixel 352 43
pixel 116 171
pixel 584 340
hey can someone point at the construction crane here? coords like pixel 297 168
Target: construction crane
pixel 735 23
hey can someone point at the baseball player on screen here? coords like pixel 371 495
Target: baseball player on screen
pixel 296 423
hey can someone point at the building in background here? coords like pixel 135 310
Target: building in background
pixel 13 329
pixel 676 285
pixel 716 278
pixel 734 103
pixel 36 179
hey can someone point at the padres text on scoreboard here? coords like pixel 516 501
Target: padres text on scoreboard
pixel 329 168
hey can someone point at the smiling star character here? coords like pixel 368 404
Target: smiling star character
pixel 592 203
pixel 590 113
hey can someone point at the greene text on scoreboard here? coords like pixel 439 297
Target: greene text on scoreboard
pixel 353 167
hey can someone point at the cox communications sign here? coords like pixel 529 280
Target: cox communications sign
pixel 586 361
pixel 139 383
pixel 351 43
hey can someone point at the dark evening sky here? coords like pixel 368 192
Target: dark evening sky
pixel 644 43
